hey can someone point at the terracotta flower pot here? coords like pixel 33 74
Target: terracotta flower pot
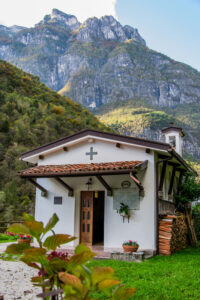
pixel 128 248
pixel 28 241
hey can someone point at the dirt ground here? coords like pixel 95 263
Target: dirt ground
pixel 15 281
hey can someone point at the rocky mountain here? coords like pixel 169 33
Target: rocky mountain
pixel 99 63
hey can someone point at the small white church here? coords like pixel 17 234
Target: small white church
pixel 85 177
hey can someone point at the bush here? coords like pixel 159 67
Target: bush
pixel 189 190
pixel 58 274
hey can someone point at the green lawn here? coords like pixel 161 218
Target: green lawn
pixel 161 277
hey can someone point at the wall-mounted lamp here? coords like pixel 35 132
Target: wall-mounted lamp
pixel 89 183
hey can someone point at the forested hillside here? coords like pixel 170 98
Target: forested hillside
pixel 30 115
pixel 137 117
pixel 98 62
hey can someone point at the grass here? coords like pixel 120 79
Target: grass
pixel 5 238
pixel 7 241
pixel 174 277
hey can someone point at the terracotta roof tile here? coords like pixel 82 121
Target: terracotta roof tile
pixel 75 169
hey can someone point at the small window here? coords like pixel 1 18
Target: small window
pixel 58 200
pixel 172 141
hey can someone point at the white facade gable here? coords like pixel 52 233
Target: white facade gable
pixel 106 152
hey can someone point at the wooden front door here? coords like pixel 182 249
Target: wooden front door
pixel 86 224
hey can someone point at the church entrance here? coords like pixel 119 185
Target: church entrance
pixel 92 218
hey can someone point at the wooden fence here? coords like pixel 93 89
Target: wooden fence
pixel 165 207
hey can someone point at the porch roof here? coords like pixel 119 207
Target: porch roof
pixel 120 167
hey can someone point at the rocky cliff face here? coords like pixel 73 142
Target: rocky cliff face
pixel 98 61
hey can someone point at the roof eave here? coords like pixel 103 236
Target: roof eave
pixel 183 162
pixel 73 139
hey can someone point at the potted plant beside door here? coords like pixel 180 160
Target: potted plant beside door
pixel 124 210
pixel 130 246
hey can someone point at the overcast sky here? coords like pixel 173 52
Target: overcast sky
pixel 28 13
pixel 169 26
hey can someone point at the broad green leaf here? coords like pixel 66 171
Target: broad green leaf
pixel 33 265
pixel 31 258
pixel 123 293
pixel 28 217
pixel 36 279
pixel 35 228
pixel 107 283
pixel 71 280
pixel 57 264
pixel 80 259
pixel 35 251
pixel 17 248
pixel 81 248
pixel 54 241
pixel 70 293
pixel 45 263
pixel 102 273
pixel 18 229
pixel 52 222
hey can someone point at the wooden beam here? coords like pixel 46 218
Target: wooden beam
pixel 161 156
pixel 173 164
pixel 118 145
pixel 138 183
pixel 43 190
pixel 70 190
pixel 141 167
pixel 162 177
pixel 181 170
pixel 148 151
pixel 172 180
pixel 105 184
pixel 180 182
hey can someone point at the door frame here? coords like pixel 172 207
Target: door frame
pixel 80 226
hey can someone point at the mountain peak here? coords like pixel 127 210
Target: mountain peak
pixel 107 28
pixel 66 20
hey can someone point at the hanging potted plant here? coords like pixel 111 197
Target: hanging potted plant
pixel 124 210
pixel 130 246
pixel 24 239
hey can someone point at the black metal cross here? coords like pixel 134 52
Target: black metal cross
pixel 91 153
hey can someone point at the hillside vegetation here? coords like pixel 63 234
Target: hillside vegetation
pixel 30 115
pixel 137 117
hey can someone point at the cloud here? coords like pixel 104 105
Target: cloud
pixel 28 13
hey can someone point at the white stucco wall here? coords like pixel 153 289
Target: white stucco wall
pixel 44 206
pixel 141 226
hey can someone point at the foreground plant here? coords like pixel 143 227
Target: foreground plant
pixel 60 276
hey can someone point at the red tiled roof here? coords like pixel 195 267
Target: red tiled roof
pixel 75 169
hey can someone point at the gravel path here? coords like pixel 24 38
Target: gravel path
pixel 15 281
